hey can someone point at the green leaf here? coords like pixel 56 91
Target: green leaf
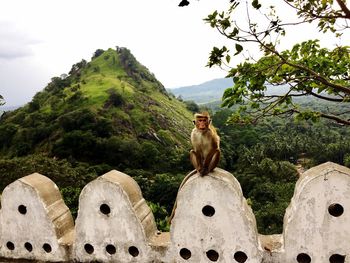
pixel 225 23
pixel 288 100
pixel 228 93
pixel 234 32
pixel 277 110
pixel 234 4
pixel 256 4
pixel 239 49
pixel 255 105
pixel 232 73
pixel 228 58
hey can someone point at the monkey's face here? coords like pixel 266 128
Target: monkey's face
pixel 202 123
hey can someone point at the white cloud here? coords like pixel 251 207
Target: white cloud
pixel 42 39
pixel 15 43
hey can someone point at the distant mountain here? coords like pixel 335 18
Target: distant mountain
pixel 206 92
pixel 109 110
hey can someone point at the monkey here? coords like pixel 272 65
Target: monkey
pixel 205 141
pixel 205 154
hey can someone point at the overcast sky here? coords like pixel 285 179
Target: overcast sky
pixel 41 39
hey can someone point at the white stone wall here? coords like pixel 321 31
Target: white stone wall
pixel 114 223
pixel 212 222
pixel 317 222
pixel 35 222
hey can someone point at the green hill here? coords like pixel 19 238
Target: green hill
pixel 110 110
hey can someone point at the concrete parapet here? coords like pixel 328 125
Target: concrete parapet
pixel 35 222
pixel 317 221
pixel 114 223
pixel 213 222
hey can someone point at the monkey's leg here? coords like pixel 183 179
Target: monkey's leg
pixel 207 162
pixel 195 160
pixel 212 160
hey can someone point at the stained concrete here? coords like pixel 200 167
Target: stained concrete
pixel 212 222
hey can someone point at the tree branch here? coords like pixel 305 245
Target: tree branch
pixel 329 117
pixel 325 98
pixel 335 118
pixel 317 76
pixel 344 8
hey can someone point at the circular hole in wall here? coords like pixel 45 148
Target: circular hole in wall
pixel 208 210
pixel 22 209
pixel 336 210
pixel 47 248
pixel 133 251
pixel 10 245
pixel 212 255
pixel 111 249
pixel 185 253
pixel 89 248
pixel 28 246
pixel 303 258
pixel 240 257
pixel 105 209
pixel 336 258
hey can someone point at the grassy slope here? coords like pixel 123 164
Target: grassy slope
pixel 145 110
pixel 151 108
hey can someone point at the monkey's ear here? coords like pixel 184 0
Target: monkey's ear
pixel 194 122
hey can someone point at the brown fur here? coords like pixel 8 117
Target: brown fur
pixel 205 141
pixel 205 154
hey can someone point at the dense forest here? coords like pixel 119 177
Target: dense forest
pixel 268 158
pixel 112 113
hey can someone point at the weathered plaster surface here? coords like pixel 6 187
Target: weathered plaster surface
pixel 35 222
pixel 212 222
pixel 217 219
pixel 309 226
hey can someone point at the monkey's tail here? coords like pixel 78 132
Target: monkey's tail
pixel 180 187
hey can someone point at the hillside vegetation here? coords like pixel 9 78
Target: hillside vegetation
pixel 112 113
pixel 109 113
pixel 104 111
pixel 268 158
